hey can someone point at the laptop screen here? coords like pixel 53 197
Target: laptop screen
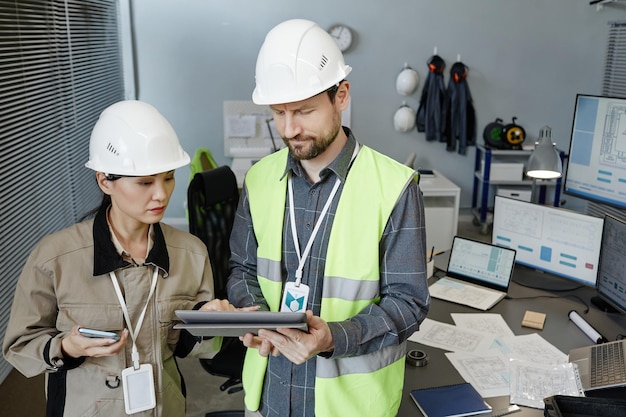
pixel 481 263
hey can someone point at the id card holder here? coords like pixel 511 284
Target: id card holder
pixel 294 298
pixel 138 389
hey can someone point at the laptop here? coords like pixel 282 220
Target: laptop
pixel 601 366
pixel 478 274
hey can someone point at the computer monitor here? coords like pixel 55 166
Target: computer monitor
pixel 560 242
pixel 611 286
pixel 596 166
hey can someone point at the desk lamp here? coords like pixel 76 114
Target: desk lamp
pixel 544 162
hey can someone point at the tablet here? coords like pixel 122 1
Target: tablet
pixel 237 323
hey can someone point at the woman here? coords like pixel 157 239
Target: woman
pixel 121 271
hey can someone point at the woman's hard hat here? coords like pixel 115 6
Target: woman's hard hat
pixel 297 60
pixel 132 138
pixel 407 81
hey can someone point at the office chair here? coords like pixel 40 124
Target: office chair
pixel 212 198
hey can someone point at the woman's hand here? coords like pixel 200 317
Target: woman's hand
pixel 224 305
pixel 76 345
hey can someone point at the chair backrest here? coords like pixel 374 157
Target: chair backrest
pixel 212 198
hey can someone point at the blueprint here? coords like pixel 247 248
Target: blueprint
pixel 483 322
pixel 483 349
pixel 449 337
pixel 532 382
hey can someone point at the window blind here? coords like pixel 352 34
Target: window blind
pixel 60 66
pixel 614 85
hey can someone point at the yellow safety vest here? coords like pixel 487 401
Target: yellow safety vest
pixel 368 384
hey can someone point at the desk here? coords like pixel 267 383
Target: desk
pixel 441 209
pixel 558 330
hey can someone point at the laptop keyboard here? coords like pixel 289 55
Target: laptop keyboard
pixel 607 364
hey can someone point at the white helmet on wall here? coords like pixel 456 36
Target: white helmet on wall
pixel 133 138
pixel 297 60
pixel 404 118
pixel 407 81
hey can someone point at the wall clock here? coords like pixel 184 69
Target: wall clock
pixel 342 36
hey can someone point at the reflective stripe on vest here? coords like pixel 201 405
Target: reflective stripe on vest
pixel 351 280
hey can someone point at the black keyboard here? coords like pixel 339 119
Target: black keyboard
pixel 607 364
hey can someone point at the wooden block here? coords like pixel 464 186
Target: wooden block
pixel 533 319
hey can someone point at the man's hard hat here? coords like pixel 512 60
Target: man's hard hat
pixel 297 60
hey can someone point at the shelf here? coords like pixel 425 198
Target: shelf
pixel 485 167
pixel 441 209
pixel 601 3
pixel 502 152
pixel 514 182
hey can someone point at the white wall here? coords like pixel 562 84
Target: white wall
pixel 526 58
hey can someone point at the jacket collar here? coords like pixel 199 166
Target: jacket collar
pixel 107 259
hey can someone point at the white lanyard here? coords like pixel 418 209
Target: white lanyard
pixel 292 217
pixel 120 297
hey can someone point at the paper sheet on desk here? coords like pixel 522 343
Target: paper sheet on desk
pixel 532 382
pixel 531 348
pixel 488 372
pixel 483 322
pixel 448 337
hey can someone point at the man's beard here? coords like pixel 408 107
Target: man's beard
pixel 307 147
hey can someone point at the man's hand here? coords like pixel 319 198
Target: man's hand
pixel 295 345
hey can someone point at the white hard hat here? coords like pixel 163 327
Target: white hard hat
pixel 407 81
pixel 404 119
pixel 132 138
pixel 297 60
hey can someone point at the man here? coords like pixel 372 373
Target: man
pixel 329 227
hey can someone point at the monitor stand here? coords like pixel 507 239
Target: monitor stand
pixel 602 305
pixel 540 280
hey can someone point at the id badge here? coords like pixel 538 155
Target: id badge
pixel 138 389
pixel 294 298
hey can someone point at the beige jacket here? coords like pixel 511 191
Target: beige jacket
pixel 62 285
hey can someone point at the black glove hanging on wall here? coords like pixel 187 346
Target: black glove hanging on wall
pixel 430 116
pixel 461 119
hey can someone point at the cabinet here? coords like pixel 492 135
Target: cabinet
pixel 483 180
pixel 441 209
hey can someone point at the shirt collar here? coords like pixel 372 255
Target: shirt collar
pixel 125 254
pixel 108 256
pixel 340 165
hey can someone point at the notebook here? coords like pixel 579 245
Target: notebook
pixel 450 401
pixel 478 274
pixel 601 366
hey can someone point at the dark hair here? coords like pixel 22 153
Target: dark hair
pixel 332 91
pixel 104 203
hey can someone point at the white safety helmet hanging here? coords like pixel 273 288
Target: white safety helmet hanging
pixel 404 118
pixel 407 81
pixel 297 60
pixel 132 138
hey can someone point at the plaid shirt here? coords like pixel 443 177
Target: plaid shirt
pixel 288 388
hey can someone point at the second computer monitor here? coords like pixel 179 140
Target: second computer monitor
pixel 550 239
pixel 612 270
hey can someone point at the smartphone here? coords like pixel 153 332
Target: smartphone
pixel 98 333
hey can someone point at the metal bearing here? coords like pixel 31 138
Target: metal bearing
pixel 417 358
